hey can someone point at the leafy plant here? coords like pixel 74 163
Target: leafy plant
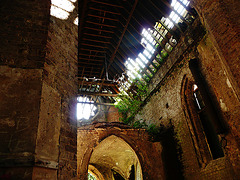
pixel 164 54
pixel 129 104
pixel 140 124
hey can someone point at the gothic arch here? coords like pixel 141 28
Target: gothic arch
pixel 133 141
pixel 115 154
pixel 193 121
pixel 204 137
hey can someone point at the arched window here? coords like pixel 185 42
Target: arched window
pixel 203 132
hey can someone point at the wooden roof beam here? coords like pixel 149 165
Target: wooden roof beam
pixel 102 10
pixel 103 30
pixel 92 45
pixel 96 35
pixel 89 55
pixel 94 40
pixel 97 83
pixel 106 3
pixel 125 28
pixel 103 17
pixel 100 24
pixel 88 63
pixel 97 94
pixel 96 103
pixel 94 50
pixel 99 60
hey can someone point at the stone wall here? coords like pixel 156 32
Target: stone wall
pixel 112 114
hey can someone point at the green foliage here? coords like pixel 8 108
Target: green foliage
pixel 146 78
pixel 129 104
pixel 127 120
pixel 164 54
pixel 152 128
pixel 140 124
pixel 156 132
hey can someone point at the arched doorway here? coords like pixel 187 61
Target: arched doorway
pixel 115 159
pixel 117 150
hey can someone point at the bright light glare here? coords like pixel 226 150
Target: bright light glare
pixel 61 8
pixel 59 13
pixel 173 16
pixel 64 4
pixel 179 8
pixel 84 111
pixel 76 21
pixel 195 87
pixel 134 67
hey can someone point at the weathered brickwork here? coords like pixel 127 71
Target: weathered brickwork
pixel 19 115
pixel 148 152
pixel 164 107
pixel 113 115
pixel 38 67
pixel 23 36
pixel 38 59
pixel 60 71
pixel 219 17
pixel 24 27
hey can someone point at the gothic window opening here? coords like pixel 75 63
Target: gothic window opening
pixel 198 98
pixel 203 133
pixel 208 127
pixel 212 123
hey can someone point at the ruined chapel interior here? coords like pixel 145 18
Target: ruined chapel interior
pixel 120 89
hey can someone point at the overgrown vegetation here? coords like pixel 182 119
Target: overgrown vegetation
pixel 129 105
pixel 129 102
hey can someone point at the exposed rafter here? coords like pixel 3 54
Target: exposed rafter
pixel 110 32
pixel 97 94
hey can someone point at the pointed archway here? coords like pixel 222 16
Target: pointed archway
pixel 118 150
pixel 114 156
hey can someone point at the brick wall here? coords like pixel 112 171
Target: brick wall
pixel 24 27
pixel 38 64
pixel 90 136
pixel 23 36
pixel 60 84
pixel 214 50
